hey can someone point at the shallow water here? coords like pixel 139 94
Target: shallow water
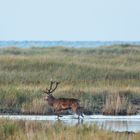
pixel 112 123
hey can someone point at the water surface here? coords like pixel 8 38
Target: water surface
pixel 112 123
pixel 76 44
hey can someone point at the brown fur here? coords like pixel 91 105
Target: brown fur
pixel 61 104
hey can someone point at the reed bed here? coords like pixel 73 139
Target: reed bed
pixel 92 75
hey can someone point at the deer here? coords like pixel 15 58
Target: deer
pixel 61 104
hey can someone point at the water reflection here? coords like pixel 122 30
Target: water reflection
pixel 121 126
pixel 112 123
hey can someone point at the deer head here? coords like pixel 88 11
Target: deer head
pixel 51 89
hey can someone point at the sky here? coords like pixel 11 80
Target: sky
pixel 70 20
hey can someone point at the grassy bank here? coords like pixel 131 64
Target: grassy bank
pixel 31 130
pixel 95 76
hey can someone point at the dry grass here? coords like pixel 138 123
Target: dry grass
pixel 118 105
pixel 31 130
pixel 87 74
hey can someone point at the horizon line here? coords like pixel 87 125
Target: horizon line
pixel 71 40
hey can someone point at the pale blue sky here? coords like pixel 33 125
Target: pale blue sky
pixel 70 20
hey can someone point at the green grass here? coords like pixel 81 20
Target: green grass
pixel 33 130
pixel 85 73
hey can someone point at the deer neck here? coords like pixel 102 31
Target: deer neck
pixel 51 100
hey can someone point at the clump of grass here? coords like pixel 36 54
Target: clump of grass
pixel 116 104
pixel 12 99
pixel 7 130
pixel 37 106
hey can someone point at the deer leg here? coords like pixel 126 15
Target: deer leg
pixel 79 112
pixel 54 110
pixel 76 110
pixel 57 112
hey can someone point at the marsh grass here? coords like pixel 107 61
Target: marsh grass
pixel 35 130
pixel 118 105
pixel 91 75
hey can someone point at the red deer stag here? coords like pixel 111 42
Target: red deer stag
pixel 61 104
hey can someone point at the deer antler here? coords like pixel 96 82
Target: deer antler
pixel 50 90
pixel 57 83
pixel 52 82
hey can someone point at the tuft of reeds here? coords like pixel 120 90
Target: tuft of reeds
pixel 116 104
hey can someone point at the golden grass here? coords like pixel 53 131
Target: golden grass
pixel 33 130
pixel 87 74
